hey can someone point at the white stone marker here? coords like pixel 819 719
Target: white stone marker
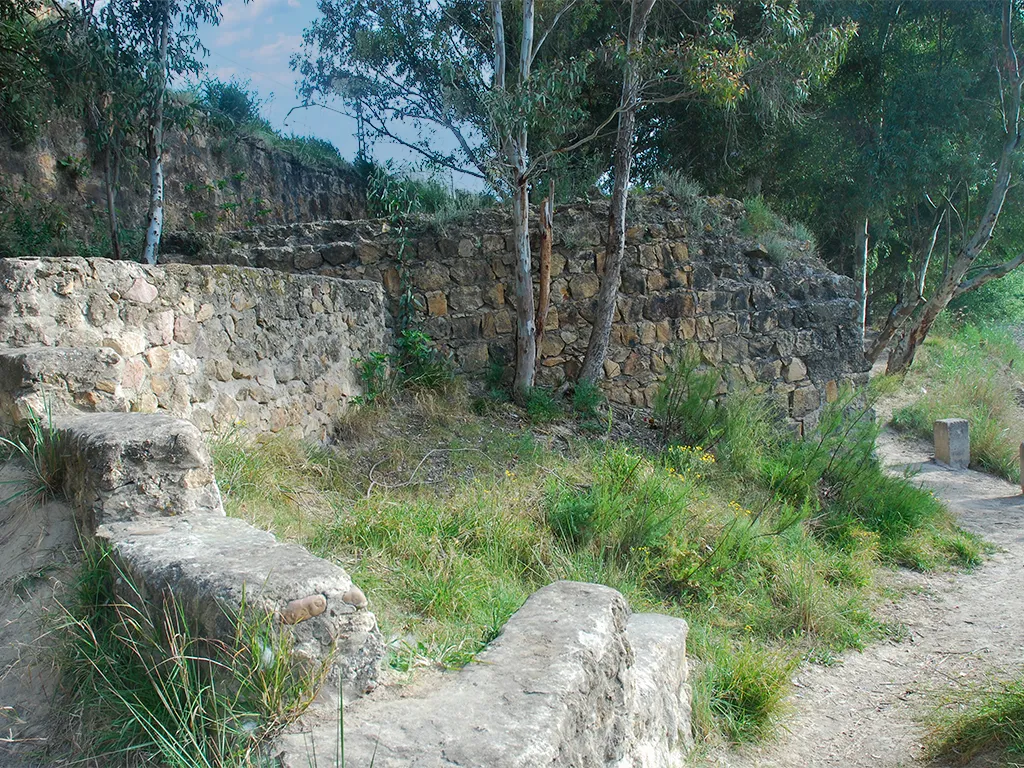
pixel 953 443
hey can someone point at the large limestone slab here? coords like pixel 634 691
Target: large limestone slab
pixel 124 466
pixel 212 564
pixel 571 681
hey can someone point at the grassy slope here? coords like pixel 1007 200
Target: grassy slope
pixel 970 373
pixel 451 515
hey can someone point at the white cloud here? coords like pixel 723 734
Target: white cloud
pixel 231 36
pixel 238 12
pixel 284 44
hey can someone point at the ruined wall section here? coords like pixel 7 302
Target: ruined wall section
pixel 216 345
pixel 789 328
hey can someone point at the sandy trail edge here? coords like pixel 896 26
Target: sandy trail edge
pixel 964 628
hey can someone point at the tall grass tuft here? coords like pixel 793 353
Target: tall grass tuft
pixel 143 685
pixel 990 722
pixel 39 448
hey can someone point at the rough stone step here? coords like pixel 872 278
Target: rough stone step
pixel 213 565
pixel 144 484
pixel 572 681
pixel 38 379
pixel 130 466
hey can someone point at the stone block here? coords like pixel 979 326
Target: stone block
pixel 953 443
pixel 62 379
pixel 437 303
pixel 573 680
pixel 803 400
pixel 794 370
pixel 213 563
pixel 584 286
pixel 126 466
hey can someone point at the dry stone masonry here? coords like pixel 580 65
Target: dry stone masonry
pixel 573 681
pixel 789 328
pixel 216 345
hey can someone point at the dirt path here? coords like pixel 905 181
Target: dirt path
pixel 38 549
pixel 964 628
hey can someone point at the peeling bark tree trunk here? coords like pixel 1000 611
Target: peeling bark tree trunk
pixel 526 340
pixel 547 216
pixel 155 148
pixel 600 334
pixel 862 267
pixel 110 182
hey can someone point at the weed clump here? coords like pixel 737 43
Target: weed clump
pixel 990 722
pixel 143 685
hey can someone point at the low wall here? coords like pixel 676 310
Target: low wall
pixel 790 328
pixel 215 345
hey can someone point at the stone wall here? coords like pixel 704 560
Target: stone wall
pixel 788 327
pixel 213 181
pixel 216 345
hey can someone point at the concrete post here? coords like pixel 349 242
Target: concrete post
pixel 953 443
pixel 1022 467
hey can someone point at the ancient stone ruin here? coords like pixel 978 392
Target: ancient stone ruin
pixel 262 329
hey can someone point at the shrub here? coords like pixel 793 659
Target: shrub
pixel 541 405
pixel 587 401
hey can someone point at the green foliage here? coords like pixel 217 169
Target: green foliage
pixel 995 303
pixel 739 689
pixel 989 721
pixel 40 450
pixel 143 685
pixel 781 240
pixel 969 374
pixel 541 405
pixel 375 377
pixel 233 102
pixel 587 401
pixel 31 227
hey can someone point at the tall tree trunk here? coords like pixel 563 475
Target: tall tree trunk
pixel 547 215
pixel 155 148
pixel 526 340
pixel 110 182
pixel 600 333
pixel 861 248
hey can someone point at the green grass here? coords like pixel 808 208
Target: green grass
pixel 781 239
pixel 450 517
pixel 39 450
pixel 143 686
pixel 991 723
pixel 970 372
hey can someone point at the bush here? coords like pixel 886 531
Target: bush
pixel 541 405
pixel 232 103
pixel 781 239
pixel 41 452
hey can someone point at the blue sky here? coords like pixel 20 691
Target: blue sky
pixel 255 42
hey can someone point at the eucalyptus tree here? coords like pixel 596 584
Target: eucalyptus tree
pixel 162 36
pixel 496 78
pixel 714 63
